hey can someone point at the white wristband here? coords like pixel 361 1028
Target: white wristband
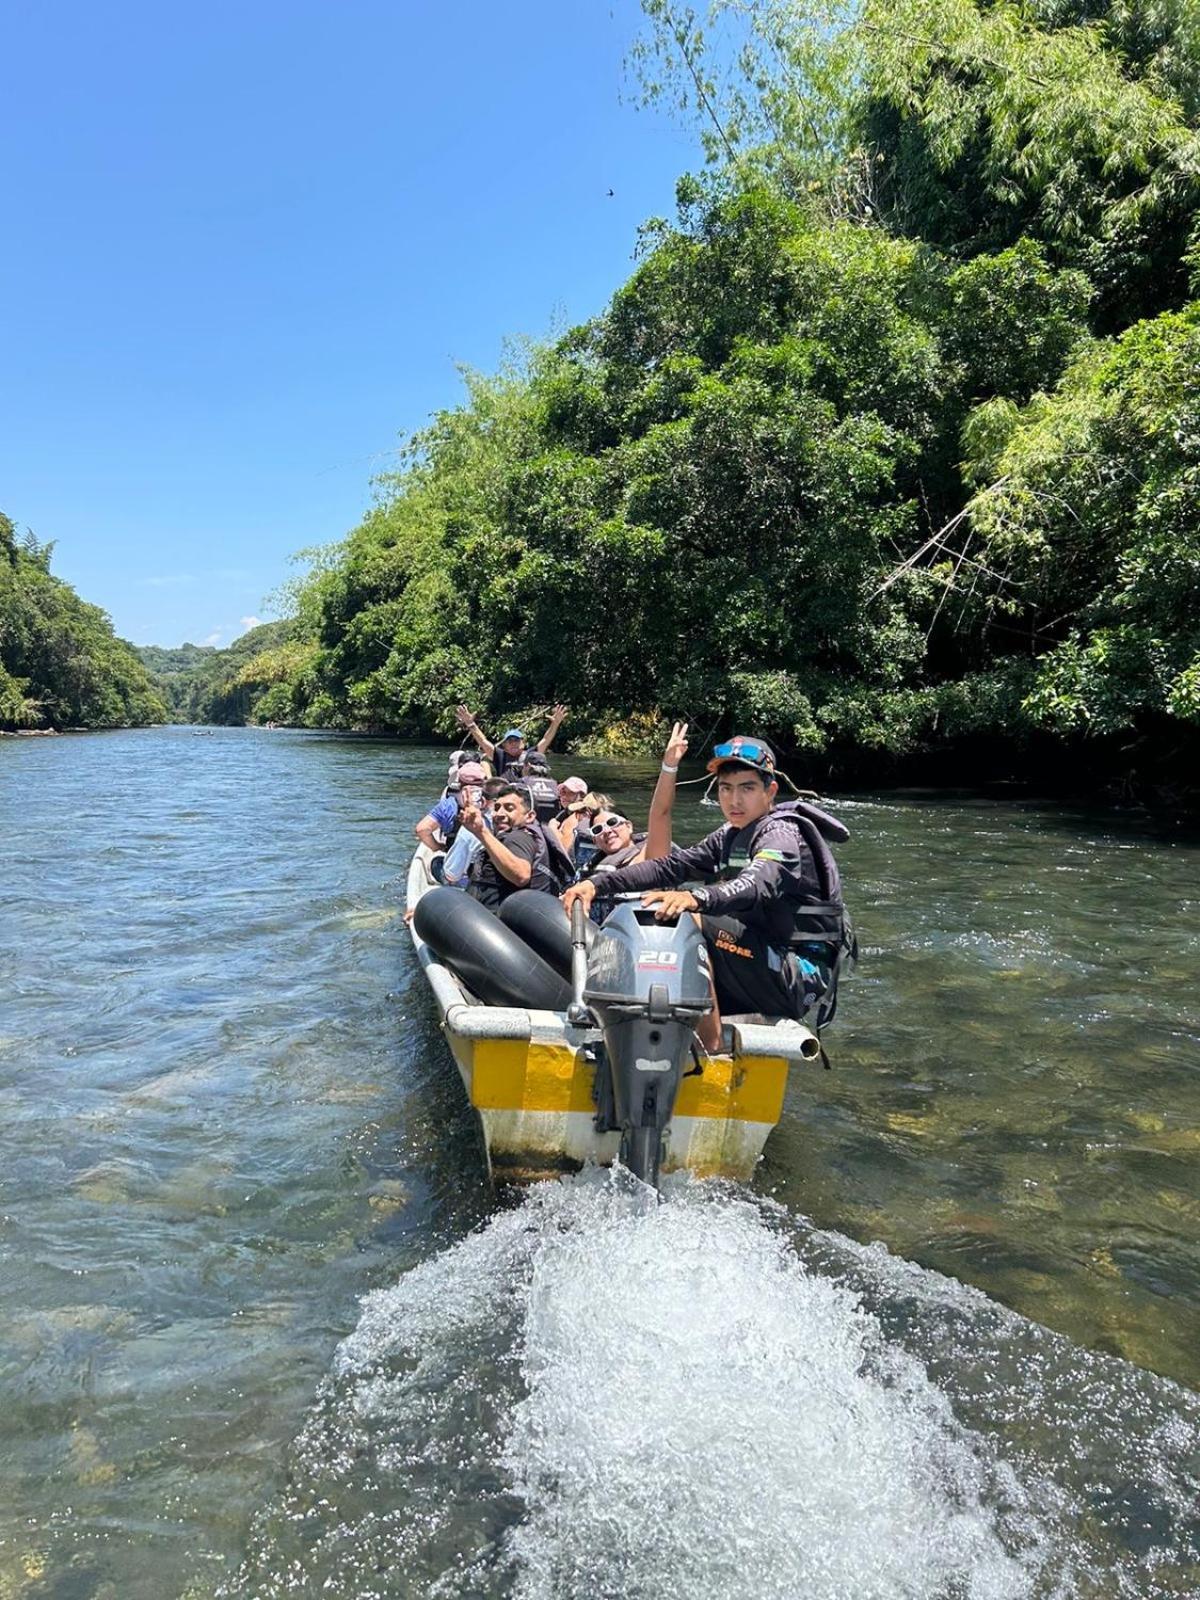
pixel 666 768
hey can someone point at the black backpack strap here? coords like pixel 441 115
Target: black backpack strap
pixel 838 931
pixel 558 863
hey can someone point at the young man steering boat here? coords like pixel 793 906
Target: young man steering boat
pixel 770 910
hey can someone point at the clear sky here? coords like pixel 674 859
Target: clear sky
pixel 247 243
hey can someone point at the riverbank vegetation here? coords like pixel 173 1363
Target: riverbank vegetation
pixel 203 683
pixel 889 448
pixel 890 445
pixel 61 666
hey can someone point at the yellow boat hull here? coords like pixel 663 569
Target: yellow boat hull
pixel 535 1105
pixel 530 1077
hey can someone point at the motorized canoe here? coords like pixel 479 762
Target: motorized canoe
pixel 530 1077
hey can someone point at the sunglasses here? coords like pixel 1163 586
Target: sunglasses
pixel 748 750
pixel 604 824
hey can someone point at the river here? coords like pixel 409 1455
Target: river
pixel 265 1332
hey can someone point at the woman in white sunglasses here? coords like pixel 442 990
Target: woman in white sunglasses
pixel 616 844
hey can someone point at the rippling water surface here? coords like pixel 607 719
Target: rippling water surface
pixel 946 1349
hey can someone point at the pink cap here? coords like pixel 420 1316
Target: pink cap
pixel 576 785
pixel 471 772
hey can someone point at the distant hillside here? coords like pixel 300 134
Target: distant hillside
pixel 61 665
pixel 204 684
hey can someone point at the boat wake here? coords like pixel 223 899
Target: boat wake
pixel 593 1395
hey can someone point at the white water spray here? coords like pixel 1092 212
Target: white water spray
pixel 596 1396
pixel 696 1414
pixel 704 1417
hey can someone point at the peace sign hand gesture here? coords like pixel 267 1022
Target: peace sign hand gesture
pixel 677 745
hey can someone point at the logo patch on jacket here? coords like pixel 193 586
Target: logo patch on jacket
pixel 769 855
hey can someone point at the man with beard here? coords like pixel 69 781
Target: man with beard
pixel 513 855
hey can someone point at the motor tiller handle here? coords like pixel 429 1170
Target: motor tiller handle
pixel 577 1013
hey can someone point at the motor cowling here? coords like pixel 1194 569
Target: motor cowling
pixel 647 985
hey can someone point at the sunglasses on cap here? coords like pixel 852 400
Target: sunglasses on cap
pixel 751 751
pixel 604 824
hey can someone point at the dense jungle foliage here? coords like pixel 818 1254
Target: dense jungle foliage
pixel 61 666
pixel 890 444
pixel 203 683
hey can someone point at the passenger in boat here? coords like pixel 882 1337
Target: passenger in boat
pixel 438 825
pixel 570 791
pixel 572 825
pixel 508 753
pixel 771 913
pixel 539 785
pixel 514 853
pixel 616 845
pixel 457 759
pixel 465 846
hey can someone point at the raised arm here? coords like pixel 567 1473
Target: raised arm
pixel 465 720
pixel 552 728
pixel 516 868
pixel 662 801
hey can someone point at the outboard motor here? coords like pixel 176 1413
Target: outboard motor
pixel 647 984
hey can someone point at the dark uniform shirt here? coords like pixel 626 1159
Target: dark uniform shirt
pixel 487 883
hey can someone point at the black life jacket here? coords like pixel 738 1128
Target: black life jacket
pixel 547 862
pixel 557 861
pixel 600 864
pixel 449 835
pixel 543 796
pixel 820 918
pixel 823 919
pixel 505 766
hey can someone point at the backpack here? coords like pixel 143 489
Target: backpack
pixel 543 796
pixel 823 918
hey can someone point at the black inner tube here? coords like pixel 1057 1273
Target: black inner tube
pixel 495 964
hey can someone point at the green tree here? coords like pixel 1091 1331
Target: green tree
pixel 887 443
pixel 60 663
pixel 1097 513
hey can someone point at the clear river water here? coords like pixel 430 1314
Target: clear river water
pixel 266 1332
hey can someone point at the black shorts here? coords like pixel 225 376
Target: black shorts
pixel 751 975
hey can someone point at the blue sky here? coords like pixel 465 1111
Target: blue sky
pixel 247 244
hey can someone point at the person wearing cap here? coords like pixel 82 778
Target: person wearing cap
pixel 508 753
pixel 758 870
pixel 438 825
pixel 569 791
pixel 572 825
pixel 572 797
pixel 534 777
